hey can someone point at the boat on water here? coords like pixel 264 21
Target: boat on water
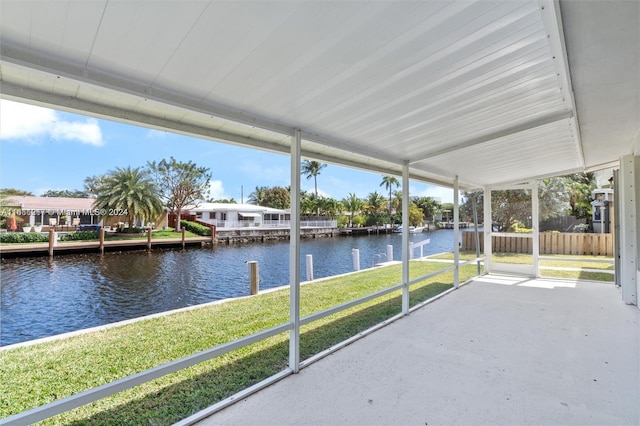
pixel 412 229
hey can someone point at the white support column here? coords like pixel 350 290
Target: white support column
pixel 294 256
pixel 535 223
pixel 488 229
pixel 628 229
pixel 456 233
pixel 405 238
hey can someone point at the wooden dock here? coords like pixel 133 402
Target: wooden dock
pixel 368 230
pixel 449 225
pixel 39 249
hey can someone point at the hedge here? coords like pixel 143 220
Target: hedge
pixel 79 235
pixel 23 237
pixel 196 228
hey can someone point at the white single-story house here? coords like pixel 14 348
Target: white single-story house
pixel 59 211
pixel 229 215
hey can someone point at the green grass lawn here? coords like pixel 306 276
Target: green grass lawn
pixel 38 374
pixel 155 235
pixel 585 267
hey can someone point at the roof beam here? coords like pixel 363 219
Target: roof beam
pixel 552 21
pixel 30 61
pixel 553 118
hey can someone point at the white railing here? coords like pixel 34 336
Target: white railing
pixel 95 394
pixel 419 245
pixel 319 224
pixel 284 224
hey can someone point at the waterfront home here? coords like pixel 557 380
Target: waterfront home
pixel 230 215
pixel 52 211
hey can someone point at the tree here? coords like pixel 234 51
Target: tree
pixel 580 186
pixel 389 182
pixel 92 183
pixel 180 184
pixel 374 205
pixel 276 197
pixel 428 205
pixel 553 198
pixel 353 205
pixel 416 215
pixel 312 169
pixel 12 192
pixel 257 197
pixel 329 207
pixel 75 193
pixel 131 192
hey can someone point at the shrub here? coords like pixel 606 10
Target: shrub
pixel 80 235
pixel 358 220
pixel 196 228
pixel 21 237
pixel 130 230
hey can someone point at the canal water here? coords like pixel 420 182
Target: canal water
pixel 43 297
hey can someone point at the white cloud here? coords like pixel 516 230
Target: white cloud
pixel 32 124
pixel 445 195
pixel 216 191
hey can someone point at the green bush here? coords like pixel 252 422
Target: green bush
pixel 22 237
pixel 80 235
pixel 130 230
pixel 358 221
pixel 196 228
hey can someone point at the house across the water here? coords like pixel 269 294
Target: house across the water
pixel 228 215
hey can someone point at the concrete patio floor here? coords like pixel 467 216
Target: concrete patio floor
pixel 501 350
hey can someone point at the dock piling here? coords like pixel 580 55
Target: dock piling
pixel 309 265
pixel 254 277
pixel 101 233
pixel 52 239
pixel 355 255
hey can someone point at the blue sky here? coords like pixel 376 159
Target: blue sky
pixel 43 149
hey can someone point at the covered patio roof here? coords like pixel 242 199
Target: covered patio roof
pixel 493 92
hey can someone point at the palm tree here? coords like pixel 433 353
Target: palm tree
pixel 129 191
pixel 374 205
pixel 312 169
pixel 257 197
pixel 389 182
pixel 353 205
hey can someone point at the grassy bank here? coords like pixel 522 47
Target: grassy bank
pixel 35 375
pixel 36 238
pixel 579 270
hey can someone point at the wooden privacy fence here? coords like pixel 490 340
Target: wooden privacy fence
pixel 550 243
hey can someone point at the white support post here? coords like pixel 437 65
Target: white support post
pixel 355 256
pixel 535 223
pixel 488 229
pixel 294 256
pixel 405 238
pixel 309 266
pixel 628 229
pixel 456 233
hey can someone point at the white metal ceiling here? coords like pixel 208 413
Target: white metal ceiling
pixel 479 89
